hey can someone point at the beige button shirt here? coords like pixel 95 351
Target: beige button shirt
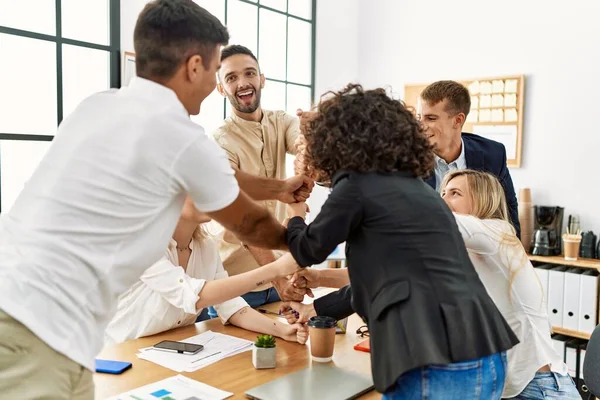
pixel 257 148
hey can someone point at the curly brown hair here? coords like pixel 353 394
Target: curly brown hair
pixel 366 131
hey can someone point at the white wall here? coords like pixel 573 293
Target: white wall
pixel 336 52
pixel 130 9
pixel 337 44
pixel 336 59
pixel 337 40
pixel 554 44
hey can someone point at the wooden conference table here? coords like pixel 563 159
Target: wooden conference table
pixel 234 374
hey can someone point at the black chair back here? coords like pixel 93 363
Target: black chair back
pixel 591 364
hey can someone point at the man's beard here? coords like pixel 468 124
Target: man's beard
pixel 238 105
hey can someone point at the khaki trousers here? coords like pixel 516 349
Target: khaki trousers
pixel 30 369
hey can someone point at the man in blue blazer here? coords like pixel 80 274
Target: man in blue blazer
pixel 443 110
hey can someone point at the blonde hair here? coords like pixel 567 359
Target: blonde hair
pixel 486 193
pixel 489 202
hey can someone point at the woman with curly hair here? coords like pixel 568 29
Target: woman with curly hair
pixel 435 332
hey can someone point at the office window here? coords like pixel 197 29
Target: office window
pixel 54 54
pixel 281 35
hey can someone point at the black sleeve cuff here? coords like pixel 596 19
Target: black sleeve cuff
pixel 337 304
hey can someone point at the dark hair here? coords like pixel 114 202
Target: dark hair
pixel 366 131
pixel 235 49
pixel 459 99
pixel 168 32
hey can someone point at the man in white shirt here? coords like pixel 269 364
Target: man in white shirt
pixel 103 204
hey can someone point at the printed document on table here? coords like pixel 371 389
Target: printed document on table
pixel 217 346
pixel 175 388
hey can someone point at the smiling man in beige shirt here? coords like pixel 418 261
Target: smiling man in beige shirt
pixel 256 142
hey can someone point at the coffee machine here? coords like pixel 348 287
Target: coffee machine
pixel 547 228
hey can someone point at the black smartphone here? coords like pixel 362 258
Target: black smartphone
pixel 178 347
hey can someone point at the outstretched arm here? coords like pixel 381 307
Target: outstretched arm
pixel 337 305
pixel 252 320
pixel 220 290
pixel 251 223
pixel 296 188
pixel 314 278
pixel 339 216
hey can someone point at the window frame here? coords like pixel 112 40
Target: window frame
pixel 287 14
pixel 113 48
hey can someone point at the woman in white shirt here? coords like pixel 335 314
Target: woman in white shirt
pixel 535 369
pixel 173 291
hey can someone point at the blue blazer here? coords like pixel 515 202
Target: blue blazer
pixel 490 156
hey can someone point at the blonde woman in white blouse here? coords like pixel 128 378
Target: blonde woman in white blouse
pixel 535 369
pixel 173 291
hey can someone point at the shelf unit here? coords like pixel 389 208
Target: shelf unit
pixel 570 333
pixel 579 263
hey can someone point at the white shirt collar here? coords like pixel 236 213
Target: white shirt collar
pixel 460 162
pixel 155 91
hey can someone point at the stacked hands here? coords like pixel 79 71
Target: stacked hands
pixel 300 281
pixel 297 282
pixel 294 311
pixel 294 287
pixel 294 332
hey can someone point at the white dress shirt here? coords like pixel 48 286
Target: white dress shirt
pixel 441 167
pixel 100 208
pixel 522 304
pixel 165 297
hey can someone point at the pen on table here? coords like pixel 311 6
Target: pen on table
pixel 204 344
pixel 263 311
pixel 210 355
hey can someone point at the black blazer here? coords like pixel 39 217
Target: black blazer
pixel 490 156
pixel 480 154
pixel 412 280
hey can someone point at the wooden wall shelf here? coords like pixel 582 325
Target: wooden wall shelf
pixel 581 263
pixel 570 333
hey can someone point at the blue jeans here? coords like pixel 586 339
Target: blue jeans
pixel 475 379
pixel 254 299
pixel 550 385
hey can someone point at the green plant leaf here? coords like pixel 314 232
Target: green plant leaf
pixel 265 341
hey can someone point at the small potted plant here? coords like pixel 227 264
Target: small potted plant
pixel 263 352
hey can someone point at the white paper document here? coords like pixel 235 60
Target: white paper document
pixel 217 346
pixel 175 388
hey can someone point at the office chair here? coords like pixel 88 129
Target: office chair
pixel 591 364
